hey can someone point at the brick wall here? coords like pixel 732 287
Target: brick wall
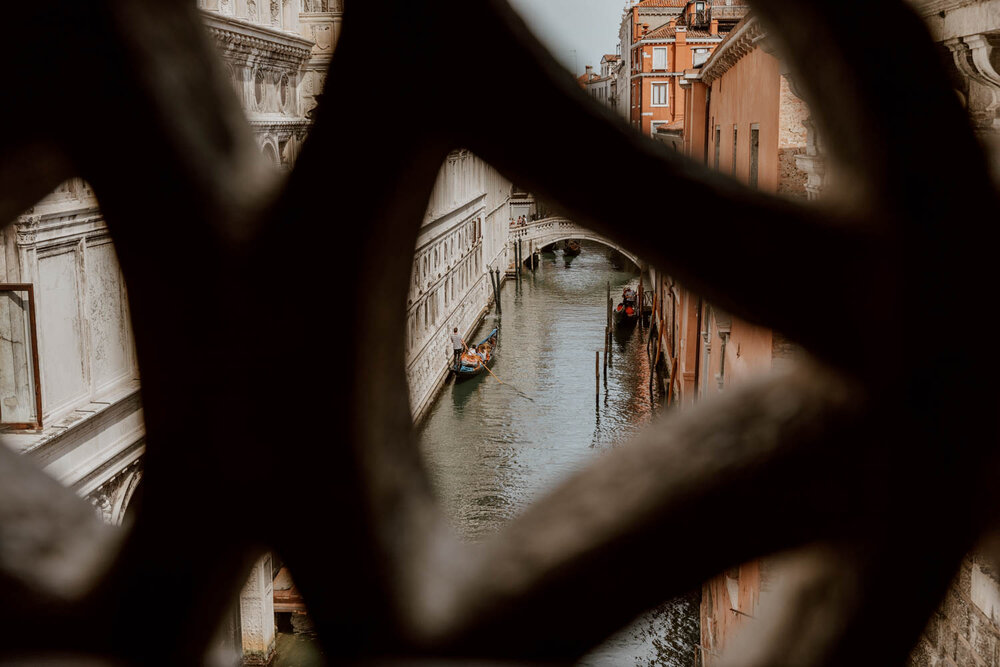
pixel 964 630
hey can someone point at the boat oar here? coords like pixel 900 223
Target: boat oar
pixel 507 385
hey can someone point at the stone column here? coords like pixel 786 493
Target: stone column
pixel 257 615
pixel 813 164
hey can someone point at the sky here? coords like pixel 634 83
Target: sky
pixel 577 32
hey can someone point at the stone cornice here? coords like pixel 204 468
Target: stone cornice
pixel 736 45
pixel 239 37
pixel 655 75
pixel 932 7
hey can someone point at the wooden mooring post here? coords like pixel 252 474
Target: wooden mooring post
pixel 642 304
pixel 597 377
pixel 495 280
pixel 607 345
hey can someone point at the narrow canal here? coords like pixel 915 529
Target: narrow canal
pixel 491 450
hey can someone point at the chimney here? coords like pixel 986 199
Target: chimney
pixel 590 71
pixel 680 36
pixel 672 22
pixel 713 27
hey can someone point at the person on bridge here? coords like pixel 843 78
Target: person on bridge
pixel 457 346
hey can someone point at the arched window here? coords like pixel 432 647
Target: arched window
pixel 259 87
pixel 271 155
pixel 283 91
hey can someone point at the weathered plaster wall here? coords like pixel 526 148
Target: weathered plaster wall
pixel 749 92
pixel 965 630
pixel 792 136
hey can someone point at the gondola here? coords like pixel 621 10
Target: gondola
pixel 475 360
pixel 627 312
pixel 571 248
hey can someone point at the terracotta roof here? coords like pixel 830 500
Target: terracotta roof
pixel 666 32
pixel 587 78
pixel 610 57
pixel 662 3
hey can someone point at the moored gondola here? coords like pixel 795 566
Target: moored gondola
pixel 474 361
pixel 571 248
pixel 627 312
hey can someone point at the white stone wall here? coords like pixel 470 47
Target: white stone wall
pixel 85 347
pixel 463 235
pixel 272 62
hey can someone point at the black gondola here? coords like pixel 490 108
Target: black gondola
pixel 475 360
pixel 571 248
pixel 627 312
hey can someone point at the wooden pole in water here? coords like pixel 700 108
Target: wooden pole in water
pixel 499 307
pixel 597 376
pixel 611 326
pixel 495 281
pixel 607 339
pixel 640 302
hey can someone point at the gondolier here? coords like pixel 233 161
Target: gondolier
pixel 457 345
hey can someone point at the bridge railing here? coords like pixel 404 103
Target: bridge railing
pixel 539 227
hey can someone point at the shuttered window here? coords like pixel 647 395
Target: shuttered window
pixel 660 94
pixel 659 58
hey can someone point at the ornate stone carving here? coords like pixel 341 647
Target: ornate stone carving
pixel 323 34
pixel 976 58
pixel 252 10
pixel 275 13
pixel 26 229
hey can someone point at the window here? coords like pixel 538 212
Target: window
pixel 660 94
pixel 734 148
pixel 699 57
pixel 754 151
pixel 659 57
pixel 258 88
pixel 718 144
pixel 20 393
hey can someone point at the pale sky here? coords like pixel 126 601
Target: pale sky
pixel 590 27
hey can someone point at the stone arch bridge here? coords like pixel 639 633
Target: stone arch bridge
pixel 542 232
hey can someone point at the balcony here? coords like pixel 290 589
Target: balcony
pixel 728 12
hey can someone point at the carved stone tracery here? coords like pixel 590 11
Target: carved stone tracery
pixel 976 58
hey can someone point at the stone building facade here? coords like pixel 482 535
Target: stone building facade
pixel 464 234
pixel 966 628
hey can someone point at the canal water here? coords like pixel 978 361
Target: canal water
pixel 491 450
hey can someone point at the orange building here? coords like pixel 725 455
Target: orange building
pixel 659 40
pixel 741 118
pixel 659 59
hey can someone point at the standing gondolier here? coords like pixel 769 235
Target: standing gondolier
pixel 457 346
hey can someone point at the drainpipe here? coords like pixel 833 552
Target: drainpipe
pixel 708 118
pixel 705 336
pixel 697 357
